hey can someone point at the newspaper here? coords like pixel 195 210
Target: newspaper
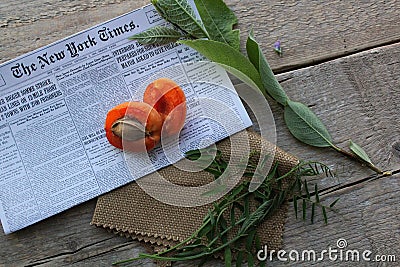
pixel 53 104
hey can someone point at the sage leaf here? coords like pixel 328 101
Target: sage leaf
pixel 305 125
pixel 359 152
pixel 219 20
pixel 269 81
pixel 181 14
pixel 230 59
pixel 157 35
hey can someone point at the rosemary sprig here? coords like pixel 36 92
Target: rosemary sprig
pixel 229 228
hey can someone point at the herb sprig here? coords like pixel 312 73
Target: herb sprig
pixel 216 38
pixel 229 228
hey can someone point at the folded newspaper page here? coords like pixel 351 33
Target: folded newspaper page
pixel 54 101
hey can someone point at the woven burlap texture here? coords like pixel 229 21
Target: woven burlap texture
pixel 130 212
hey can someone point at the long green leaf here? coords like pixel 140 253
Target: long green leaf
pixel 270 83
pixel 181 14
pixel 359 152
pixel 157 34
pixel 316 193
pixel 312 212
pixel 306 189
pixel 250 240
pixel 239 259
pixel 219 20
pixel 304 209
pixel 228 257
pixel 250 260
pixel 334 203
pixel 305 125
pixel 324 214
pixel 229 58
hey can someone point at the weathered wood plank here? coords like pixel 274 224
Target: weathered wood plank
pixel 67 236
pixel 367 219
pixel 69 239
pixel 311 31
pixel 357 97
pixel 314 31
pixel 42 22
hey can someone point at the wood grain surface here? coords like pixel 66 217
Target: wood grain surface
pixel 310 31
pixel 342 58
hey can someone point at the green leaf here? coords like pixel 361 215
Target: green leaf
pixel 239 259
pixel 304 209
pixel 306 189
pixel 334 203
pixel 255 217
pixel 316 193
pixel 324 214
pixel 295 205
pixel 305 125
pixel 230 59
pixel 205 230
pixel 228 257
pixel 232 216
pixel 157 35
pixel 219 20
pixel 215 190
pixel 312 212
pixel 250 260
pixel 188 252
pixel 250 240
pixel 270 83
pixel 193 154
pixel 212 218
pixel 359 152
pixel 237 190
pixel 257 241
pixel 181 14
pixel 222 222
pixel 246 206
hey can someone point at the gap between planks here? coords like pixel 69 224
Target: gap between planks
pixel 317 61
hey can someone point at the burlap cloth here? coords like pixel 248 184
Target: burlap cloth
pixel 129 211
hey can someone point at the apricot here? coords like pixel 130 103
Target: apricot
pixel 169 100
pixel 133 126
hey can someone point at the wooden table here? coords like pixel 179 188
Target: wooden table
pixel 342 58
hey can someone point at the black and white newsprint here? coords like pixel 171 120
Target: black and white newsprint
pixel 54 101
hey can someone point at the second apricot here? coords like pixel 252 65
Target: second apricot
pixel 169 100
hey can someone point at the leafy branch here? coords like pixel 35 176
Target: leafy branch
pixel 230 227
pixel 216 39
